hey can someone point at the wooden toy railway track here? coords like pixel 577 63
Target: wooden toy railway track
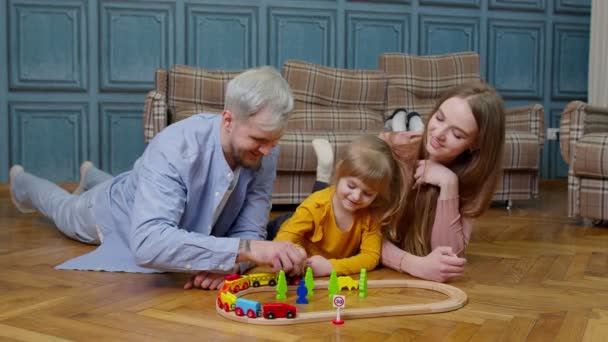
pixel 456 299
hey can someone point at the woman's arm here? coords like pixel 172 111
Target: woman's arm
pixel 450 228
pixel 440 265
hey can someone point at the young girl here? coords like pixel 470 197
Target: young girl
pixel 340 227
pixel 457 167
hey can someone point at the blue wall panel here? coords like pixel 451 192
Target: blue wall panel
pixel 49 138
pixel 48 45
pixel 122 140
pixel 222 37
pixel 75 72
pixel 405 2
pixel 516 57
pixel 136 39
pixel 308 35
pixel 443 34
pixel 535 5
pixel 463 3
pixel 371 34
pixel 570 61
pixel 573 6
pixel 4 129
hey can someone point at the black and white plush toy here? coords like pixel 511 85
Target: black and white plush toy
pixel 401 120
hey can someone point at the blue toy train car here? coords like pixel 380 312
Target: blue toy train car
pixel 248 307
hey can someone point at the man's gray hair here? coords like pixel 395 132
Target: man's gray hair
pixel 257 89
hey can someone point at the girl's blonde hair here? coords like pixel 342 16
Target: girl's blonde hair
pixel 371 160
pixel 476 169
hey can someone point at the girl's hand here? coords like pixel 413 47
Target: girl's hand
pixel 440 265
pixel 206 281
pixel 320 265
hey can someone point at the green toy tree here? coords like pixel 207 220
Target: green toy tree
pixel 333 284
pixel 363 283
pixel 282 286
pixel 309 280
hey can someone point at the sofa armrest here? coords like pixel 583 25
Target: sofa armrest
pixel 578 119
pixel 530 119
pixel 156 115
pixel 161 80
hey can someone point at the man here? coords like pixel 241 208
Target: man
pixel 197 200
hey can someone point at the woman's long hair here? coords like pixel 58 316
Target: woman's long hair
pixel 371 160
pixel 477 170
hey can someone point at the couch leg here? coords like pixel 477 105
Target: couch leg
pixel 509 205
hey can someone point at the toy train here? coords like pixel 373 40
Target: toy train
pixel 253 309
pixel 228 301
pixel 236 282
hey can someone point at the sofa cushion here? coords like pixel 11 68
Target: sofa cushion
pixel 193 90
pixel 296 152
pixel 321 92
pixel 521 151
pixel 592 155
pixel 335 118
pixel 416 82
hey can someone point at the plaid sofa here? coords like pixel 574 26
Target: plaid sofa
pixel 335 104
pixel 584 147
pixel 339 104
pixel 416 82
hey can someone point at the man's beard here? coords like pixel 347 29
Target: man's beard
pixel 254 166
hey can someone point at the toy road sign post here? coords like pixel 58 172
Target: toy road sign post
pixel 338 302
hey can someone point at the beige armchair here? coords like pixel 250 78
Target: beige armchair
pixel 416 82
pixel 583 143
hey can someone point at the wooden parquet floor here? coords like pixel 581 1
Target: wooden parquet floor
pixel 532 274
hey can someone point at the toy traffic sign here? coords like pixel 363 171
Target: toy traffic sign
pixel 338 302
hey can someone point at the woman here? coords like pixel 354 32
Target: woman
pixel 454 163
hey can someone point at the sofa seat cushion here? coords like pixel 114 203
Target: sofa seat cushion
pixel 328 118
pixel 591 153
pixel 521 151
pixel 295 147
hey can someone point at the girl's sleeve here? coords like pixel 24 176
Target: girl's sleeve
pixel 297 226
pixel 368 256
pixel 450 228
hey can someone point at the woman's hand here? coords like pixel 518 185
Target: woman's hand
pixel 440 265
pixel 206 281
pixel 320 265
pixel 434 173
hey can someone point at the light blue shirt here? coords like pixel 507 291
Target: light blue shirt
pixel 159 216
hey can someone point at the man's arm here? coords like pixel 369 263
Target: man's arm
pixel 158 242
pixel 155 237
